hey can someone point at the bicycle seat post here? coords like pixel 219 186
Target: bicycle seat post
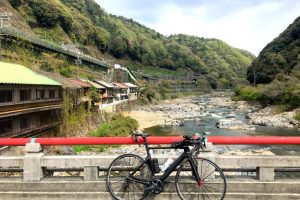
pixel 146 145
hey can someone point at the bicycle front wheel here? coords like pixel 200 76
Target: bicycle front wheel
pixel 212 184
pixel 119 181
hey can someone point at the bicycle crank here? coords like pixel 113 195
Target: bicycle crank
pixel 156 186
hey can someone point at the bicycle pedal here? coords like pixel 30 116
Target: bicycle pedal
pixel 167 182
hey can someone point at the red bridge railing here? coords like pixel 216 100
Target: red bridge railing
pixel 232 140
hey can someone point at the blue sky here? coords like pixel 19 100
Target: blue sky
pixel 246 24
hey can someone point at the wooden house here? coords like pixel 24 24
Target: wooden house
pixel 122 92
pixel 132 91
pixel 29 103
pixel 109 91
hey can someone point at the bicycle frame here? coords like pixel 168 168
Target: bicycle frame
pixel 187 154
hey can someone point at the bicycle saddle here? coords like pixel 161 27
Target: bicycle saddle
pixel 142 134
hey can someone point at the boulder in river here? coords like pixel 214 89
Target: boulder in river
pixel 232 123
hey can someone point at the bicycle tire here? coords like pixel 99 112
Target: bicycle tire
pixel 118 184
pixel 212 184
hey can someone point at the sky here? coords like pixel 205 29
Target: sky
pixel 245 24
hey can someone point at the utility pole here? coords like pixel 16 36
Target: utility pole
pixel 74 48
pixel 254 77
pixel 78 60
pixel 4 23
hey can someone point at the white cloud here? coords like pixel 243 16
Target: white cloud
pixel 248 25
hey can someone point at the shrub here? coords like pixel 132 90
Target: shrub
pixel 297 116
pixel 118 125
pixel 249 93
pixel 47 67
pixel 65 71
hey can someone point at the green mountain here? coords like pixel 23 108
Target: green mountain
pixel 280 56
pixel 218 57
pixel 276 72
pixel 123 40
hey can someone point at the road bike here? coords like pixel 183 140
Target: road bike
pixel 132 177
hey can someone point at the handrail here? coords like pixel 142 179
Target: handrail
pixel 232 140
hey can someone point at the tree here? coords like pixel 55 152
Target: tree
pixel 46 12
pixel 15 3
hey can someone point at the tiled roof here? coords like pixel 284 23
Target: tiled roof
pixel 80 83
pixel 65 82
pixel 121 85
pixel 130 85
pixel 96 85
pixel 18 74
pixel 105 84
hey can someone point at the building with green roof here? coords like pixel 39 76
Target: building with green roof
pixel 29 102
pixel 18 74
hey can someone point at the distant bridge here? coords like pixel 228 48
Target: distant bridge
pixel 33 39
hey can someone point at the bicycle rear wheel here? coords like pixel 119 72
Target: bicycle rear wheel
pixel 212 184
pixel 118 182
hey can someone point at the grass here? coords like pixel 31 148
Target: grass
pixel 117 125
pixel 297 116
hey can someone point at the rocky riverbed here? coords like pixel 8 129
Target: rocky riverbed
pixel 269 116
pixel 175 112
pixel 167 113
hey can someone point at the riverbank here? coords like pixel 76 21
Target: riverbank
pixel 270 116
pixel 172 112
pixel 168 112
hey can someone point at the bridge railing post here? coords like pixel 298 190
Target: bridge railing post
pixel 265 173
pixel 91 173
pixel 33 171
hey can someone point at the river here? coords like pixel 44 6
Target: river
pixel 208 124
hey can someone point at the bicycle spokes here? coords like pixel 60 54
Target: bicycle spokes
pixel 211 185
pixel 126 175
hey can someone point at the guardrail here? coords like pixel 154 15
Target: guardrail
pixel 35 163
pixel 230 140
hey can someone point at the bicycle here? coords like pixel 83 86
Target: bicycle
pixel 132 177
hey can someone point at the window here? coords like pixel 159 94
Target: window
pixel 51 94
pixel 109 92
pixel 132 90
pixel 40 94
pixel 6 96
pixel 25 95
pixel 5 126
pixel 45 118
pixel 25 122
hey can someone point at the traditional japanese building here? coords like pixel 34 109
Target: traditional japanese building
pixel 110 91
pixel 122 91
pixel 29 103
pixel 132 91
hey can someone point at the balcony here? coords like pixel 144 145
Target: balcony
pixel 11 109
pixel 27 132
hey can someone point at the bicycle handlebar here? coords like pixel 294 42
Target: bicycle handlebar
pixel 198 142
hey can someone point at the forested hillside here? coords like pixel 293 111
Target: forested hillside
pixel 276 72
pixel 102 35
pixel 279 57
